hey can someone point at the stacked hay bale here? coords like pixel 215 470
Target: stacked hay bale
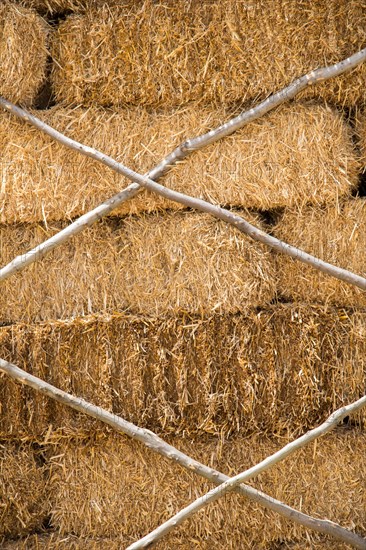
pixel 166 316
pixel 159 54
pixel 23 53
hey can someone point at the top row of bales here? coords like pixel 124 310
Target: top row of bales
pixel 161 54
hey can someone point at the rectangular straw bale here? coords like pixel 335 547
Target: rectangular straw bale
pixel 334 234
pixel 119 488
pixel 162 54
pixel 282 370
pixel 23 52
pixel 155 264
pixel 298 154
pixel 23 498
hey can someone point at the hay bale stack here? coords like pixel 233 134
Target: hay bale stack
pixel 151 53
pixel 334 234
pixel 23 497
pixel 281 370
pixel 96 489
pixel 23 53
pixel 155 265
pixel 301 153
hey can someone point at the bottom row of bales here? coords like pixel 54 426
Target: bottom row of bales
pixel 107 491
pixel 59 542
pixel 159 265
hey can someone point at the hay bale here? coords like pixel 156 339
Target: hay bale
pixel 23 496
pixel 23 53
pixel 300 153
pixel 152 53
pixel 153 265
pixel 281 370
pixel 334 234
pixel 116 487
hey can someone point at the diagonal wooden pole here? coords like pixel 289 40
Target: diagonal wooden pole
pixel 156 444
pixel 178 154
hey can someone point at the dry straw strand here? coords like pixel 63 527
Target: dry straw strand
pixel 23 52
pixel 152 53
pixel 360 129
pixel 298 154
